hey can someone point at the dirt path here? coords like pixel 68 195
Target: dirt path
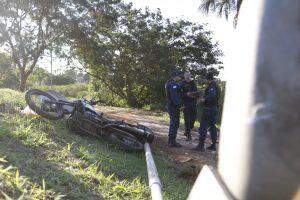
pixel 183 156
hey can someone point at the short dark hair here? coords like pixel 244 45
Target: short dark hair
pixel 176 72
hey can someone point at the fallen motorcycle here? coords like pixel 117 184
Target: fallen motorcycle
pixel 82 118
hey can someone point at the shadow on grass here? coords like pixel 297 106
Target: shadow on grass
pixel 83 154
pixel 125 165
pixel 110 158
pixel 31 164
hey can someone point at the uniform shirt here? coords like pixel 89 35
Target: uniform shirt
pixel 189 86
pixel 173 93
pixel 167 88
pixel 210 95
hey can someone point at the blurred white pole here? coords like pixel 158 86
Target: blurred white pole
pixel 259 145
pixel 154 181
pixel 51 62
pixel 260 141
pixel 209 186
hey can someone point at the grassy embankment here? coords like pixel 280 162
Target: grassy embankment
pixel 40 159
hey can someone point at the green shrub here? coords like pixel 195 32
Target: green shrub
pixel 12 97
pixel 100 91
pixel 70 91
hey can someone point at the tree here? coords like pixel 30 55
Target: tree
pixel 29 27
pixel 8 76
pixel 135 57
pixel 223 7
pixel 26 31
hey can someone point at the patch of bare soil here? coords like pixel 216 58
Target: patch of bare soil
pixel 189 161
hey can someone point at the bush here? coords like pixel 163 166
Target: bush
pixel 88 91
pixel 8 96
pixel 70 91
pixel 102 92
pixel 8 73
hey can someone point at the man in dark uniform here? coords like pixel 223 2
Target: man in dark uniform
pixel 174 105
pixel 209 115
pixel 190 103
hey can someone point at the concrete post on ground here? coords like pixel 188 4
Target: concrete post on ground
pixel 154 181
pixel 260 140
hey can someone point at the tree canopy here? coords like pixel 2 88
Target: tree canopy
pixel 130 53
pixel 29 27
pixel 134 58
pixel 222 7
pixel 26 30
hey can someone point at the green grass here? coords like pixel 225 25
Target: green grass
pixel 40 159
pixel 11 98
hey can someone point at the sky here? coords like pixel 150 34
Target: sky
pixel 175 10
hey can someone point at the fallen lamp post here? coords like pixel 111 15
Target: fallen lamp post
pixel 154 181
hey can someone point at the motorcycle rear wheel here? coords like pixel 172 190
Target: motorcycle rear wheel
pixel 126 140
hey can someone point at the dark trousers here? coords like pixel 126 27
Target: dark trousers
pixel 174 114
pixel 208 121
pixel 190 116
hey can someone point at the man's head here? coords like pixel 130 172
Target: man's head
pixel 187 76
pixel 176 75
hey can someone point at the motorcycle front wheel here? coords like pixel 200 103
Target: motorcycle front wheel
pixel 37 101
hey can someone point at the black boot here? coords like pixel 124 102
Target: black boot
pixel 200 146
pixel 173 144
pixel 212 147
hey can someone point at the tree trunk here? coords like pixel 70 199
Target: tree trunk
pixel 23 80
pixel 130 97
pixel 132 102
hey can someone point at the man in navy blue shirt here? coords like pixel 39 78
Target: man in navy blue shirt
pixel 174 106
pixel 190 103
pixel 209 115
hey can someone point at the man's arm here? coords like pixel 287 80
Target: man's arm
pixel 194 93
pixel 175 96
pixel 212 94
pixel 183 89
pixel 194 87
